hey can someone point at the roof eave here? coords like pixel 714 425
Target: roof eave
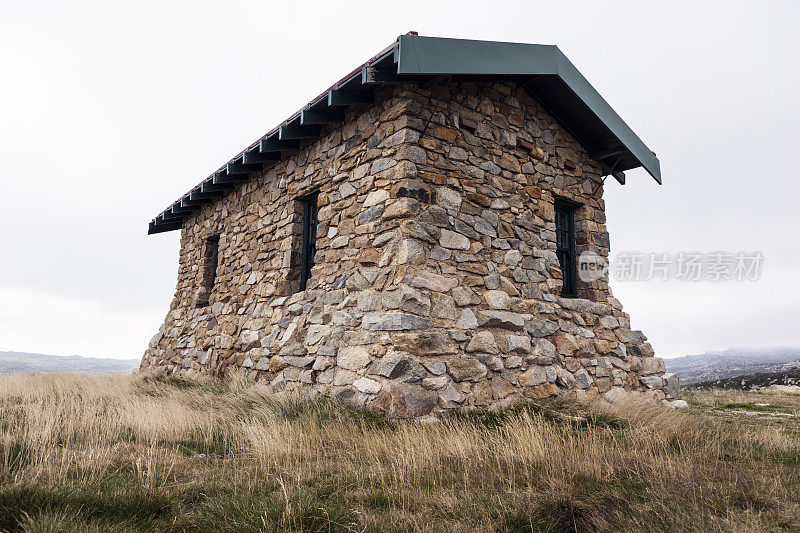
pixel 543 69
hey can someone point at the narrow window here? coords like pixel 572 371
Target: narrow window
pixel 565 247
pixel 213 259
pixel 310 212
pixel 210 261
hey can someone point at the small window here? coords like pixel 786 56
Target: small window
pixel 565 247
pixel 210 261
pixel 310 213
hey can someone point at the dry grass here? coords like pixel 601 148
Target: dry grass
pixel 140 453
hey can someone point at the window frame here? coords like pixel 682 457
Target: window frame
pixel 565 252
pixel 214 262
pixel 210 269
pixel 309 240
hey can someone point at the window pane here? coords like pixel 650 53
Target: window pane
pixel 210 260
pixel 310 215
pixel 214 243
pixel 565 248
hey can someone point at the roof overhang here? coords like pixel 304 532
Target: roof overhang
pixel 549 76
pixel 543 70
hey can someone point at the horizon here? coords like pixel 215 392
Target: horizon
pixel 134 358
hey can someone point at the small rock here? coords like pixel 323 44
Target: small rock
pixel 497 299
pixel 583 378
pixel 434 282
pixel 535 375
pixel 402 208
pixel 457 154
pixel 514 361
pixel 276 363
pixel 391 366
pixel 495 363
pixel 566 344
pixel 376 197
pixel 453 240
pixel 249 339
pixel 541 327
pixel 616 394
pixel 403 400
pixel 435 383
pixel 448 198
pixel 466 368
pixel 436 368
pixel 565 378
pixel 367 386
pixel 424 343
pixel 501 388
pixel 411 251
pixel 451 395
pixel 353 358
pixel 370 215
pixel 382 164
pixel 483 341
pixel 512 258
pixel 652 365
pixel 679 404
pixel 541 391
pixel 467 320
pixel 502 319
pixel 518 343
pixel 378 321
pixel 652 382
pixel 672 385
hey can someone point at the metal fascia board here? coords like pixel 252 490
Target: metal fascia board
pixel 597 104
pixel 436 55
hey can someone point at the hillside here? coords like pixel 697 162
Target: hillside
pixel 711 366
pixel 23 363
pixel 141 453
pixel 753 381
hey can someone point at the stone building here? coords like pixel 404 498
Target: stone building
pixel 409 240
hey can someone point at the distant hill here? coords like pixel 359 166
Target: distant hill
pixel 753 381
pixel 22 362
pixel 712 366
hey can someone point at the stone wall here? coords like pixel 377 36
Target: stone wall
pixel 436 283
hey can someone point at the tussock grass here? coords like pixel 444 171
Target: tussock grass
pixel 141 453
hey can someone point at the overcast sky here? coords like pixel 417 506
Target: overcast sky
pixel 109 111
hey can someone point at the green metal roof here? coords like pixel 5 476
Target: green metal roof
pixel 542 70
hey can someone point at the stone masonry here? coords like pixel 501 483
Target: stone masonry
pixel 436 283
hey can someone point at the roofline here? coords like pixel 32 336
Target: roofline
pixel 543 70
pixel 461 57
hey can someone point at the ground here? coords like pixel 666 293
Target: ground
pixel 142 453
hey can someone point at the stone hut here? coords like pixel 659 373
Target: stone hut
pixel 410 240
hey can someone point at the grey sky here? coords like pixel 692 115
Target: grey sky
pixel 109 111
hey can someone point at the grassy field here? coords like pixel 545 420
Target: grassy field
pixel 140 453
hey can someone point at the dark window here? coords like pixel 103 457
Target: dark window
pixel 565 247
pixel 310 213
pixel 210 261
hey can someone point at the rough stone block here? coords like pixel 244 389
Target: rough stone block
pixel 402 400
pixel 672 385
pixel 353 358
pixel 466 368
pixel 653 365
pixel 424 343
pixel 394 321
